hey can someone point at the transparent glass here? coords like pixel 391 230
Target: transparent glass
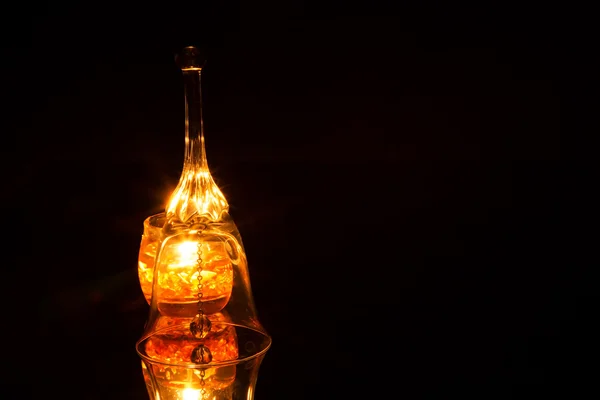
pixel 169 281
pixel 231 375
pixel 177 288
pixel 202 338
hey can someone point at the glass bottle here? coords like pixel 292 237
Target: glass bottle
pixel 203 325
pixel 196 222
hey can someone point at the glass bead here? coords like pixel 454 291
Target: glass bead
pixel 201 355
pixel 200 326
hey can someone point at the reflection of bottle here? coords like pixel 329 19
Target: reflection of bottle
pixel 218 321
pixel 231 374
pixel 174 346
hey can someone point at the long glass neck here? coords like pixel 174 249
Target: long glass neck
pixel 195 153
pixel 196 195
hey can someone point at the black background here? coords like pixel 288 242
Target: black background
pixel 392 170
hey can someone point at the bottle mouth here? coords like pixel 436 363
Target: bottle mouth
pixel 190 59
pixel 251 344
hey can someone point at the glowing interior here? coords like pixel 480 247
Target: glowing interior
pixel 179 272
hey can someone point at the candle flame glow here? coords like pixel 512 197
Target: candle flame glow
pixel 190 394
pixel 188 256
pixel 196 394
pixel 187 253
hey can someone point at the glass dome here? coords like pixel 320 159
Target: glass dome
pixel 169 277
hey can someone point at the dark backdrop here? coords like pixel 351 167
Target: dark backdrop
pixel 392 171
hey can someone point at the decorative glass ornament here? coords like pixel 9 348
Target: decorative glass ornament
pixel 194 274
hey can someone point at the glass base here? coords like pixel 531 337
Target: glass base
pixel 169 375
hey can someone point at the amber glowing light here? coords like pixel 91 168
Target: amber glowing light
pixel 176 347
pixel 178 285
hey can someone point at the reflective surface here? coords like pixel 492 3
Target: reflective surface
pixel 232 373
